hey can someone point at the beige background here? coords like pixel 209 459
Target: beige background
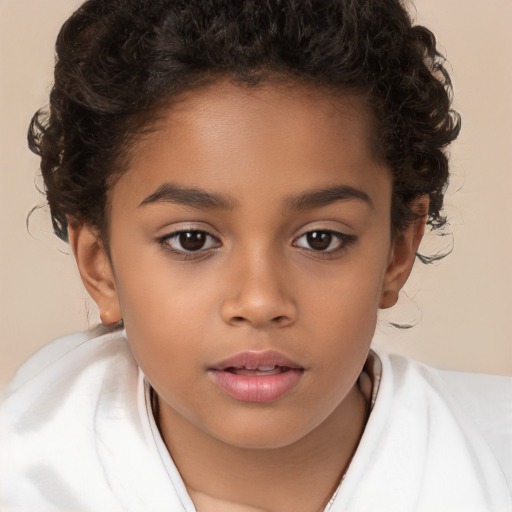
pixel 463 305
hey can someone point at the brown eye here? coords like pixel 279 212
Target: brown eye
pixel 324 241
pixel 319 240
pixel 190 241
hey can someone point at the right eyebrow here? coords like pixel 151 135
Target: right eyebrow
pixel 194 197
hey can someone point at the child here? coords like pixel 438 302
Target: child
pixel 244 185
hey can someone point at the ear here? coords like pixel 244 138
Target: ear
pixel 403 254
pixel 95 270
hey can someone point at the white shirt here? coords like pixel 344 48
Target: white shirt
pixel 77 434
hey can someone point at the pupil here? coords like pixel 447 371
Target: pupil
pixel 319 240
pixel 192 240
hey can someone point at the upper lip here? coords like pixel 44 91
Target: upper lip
pixel 256 359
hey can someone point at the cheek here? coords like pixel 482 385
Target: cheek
pixel 349 292
pixel 341 308
pixel 162 309
pixel 152 288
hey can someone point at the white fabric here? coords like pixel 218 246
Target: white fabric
pixel 77 435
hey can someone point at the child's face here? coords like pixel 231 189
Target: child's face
pixel 285 246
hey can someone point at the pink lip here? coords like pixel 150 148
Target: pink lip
pixel 256 388
pixel 254 358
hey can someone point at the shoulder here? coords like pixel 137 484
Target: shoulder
pixel 486 400
pixel 72 425
pixel 67 379
pixel 66 356
pixel 62 355
pixel 68 374
pixel 481 396
pixel 479 402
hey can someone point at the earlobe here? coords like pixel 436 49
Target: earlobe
pixel 403 254
pixel 95 270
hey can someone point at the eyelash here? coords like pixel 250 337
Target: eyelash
pixel 188 254
pixel 345 241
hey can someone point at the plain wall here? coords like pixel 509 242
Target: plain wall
pixel 461 305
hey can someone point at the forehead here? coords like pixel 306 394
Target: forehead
pixel 272 138
pixel 272 108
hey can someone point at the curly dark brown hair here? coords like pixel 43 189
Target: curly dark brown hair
pixel 120 61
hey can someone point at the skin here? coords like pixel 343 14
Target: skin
pixel 257 284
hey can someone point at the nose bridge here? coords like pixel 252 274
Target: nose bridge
pixel 259 292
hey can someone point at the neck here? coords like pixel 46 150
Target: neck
pixel 298 477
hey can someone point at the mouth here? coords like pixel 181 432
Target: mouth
pixel 257 376
pixel 259 371
pixel 258 361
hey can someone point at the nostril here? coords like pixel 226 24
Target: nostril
pixel 241 319
pixel 258 313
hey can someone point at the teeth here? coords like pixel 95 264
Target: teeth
pixel 260 368
pixel 265 371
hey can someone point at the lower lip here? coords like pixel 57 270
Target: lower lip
pixel 257 388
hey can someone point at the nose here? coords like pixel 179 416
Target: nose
pixel 259 294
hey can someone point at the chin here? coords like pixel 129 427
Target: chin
pixel 261 435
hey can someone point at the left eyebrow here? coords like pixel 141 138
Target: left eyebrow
pixel 194 197
pixel 326 196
